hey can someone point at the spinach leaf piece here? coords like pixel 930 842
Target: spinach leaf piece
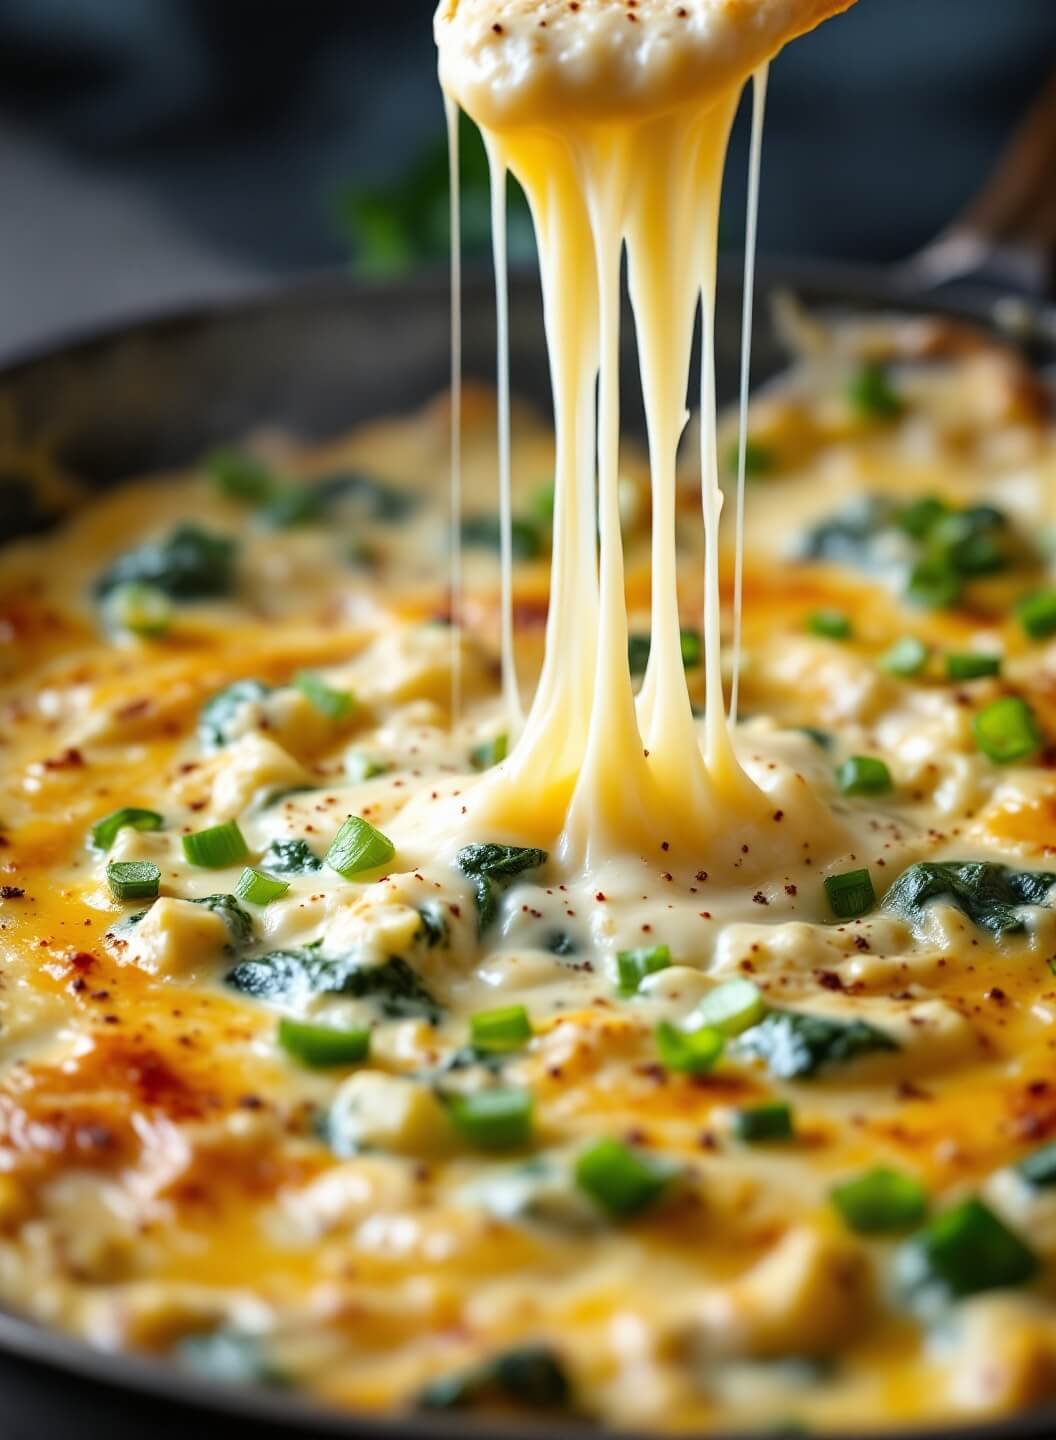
pixel 290 857
pixel 491 868
pixel 988 894
pixel 191 564
pixel 532 1376
pixel 219 716
pixel 292 974
pixel 796 1046
pixel 237 920
pixel 373 497
pixel 435 929
pixel 482 532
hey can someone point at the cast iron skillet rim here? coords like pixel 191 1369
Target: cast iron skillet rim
pixel 847 286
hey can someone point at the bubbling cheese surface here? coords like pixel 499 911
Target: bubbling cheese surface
pixel 615 118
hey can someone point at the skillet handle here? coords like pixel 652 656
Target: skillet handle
pixel 1007 235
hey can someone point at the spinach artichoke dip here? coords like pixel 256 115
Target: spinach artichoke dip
pixel 439 997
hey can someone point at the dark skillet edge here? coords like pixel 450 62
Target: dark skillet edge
pixel 108 1384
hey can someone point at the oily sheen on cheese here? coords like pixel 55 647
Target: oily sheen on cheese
pixel 422 988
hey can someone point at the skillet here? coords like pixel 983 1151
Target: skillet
pixel 316 359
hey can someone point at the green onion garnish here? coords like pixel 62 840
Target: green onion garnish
pixel 138 609
pixel 1037 614
pixel 334 704
pixel 258 888
pixel 240 477
pixel 322 1046
pixel 105 831
pixel 731 1007
pixel 133 879
pixel 494 1119
pixel 1039 1168
pixel 906 657
pixel 498 1031
pixel 963 1251
pixel 357 847
pixel 632 966
pixel 489 753
pixel 830 624
pixel 871 394
pixel 1006 730
pixel 360 766
pixel 972 666
pixel 216 847
pixel 619 1181
pixel 934 584
pixel 880 1201
pixel 850 894
pixel 920 517
pixel 689 1052
pixel 756 1124
pixel 863 775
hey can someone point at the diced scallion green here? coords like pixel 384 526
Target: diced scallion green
pixel 906 657
pixel 258 888
pixel 360 766
pixel 972 666
pixel 133 879
pixel 358 847
pixel 1037 614
pixel 493 1120
pixel 216 847
pixel 334 704
pixel 757 1124
pixel 934 584
pixel 871 393
pixel 489 753
pixel 690 1052
pixel 863 775
pixel 323 1046
pixel 880 1202
pixel 830 624
pixel 241 477
pixel 733 1006
pixel 138 609
pixel 1006 730
pixel 105 831
pixel 619 1181
pixel 964 1251
pixel 632 966
pixel 500 1030
pixel 850 893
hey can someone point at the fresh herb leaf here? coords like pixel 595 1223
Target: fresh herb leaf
pixel 295 974
pixel 191 564
pixel 796 1046
pixel 987 893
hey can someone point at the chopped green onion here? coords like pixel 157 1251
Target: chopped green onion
pixel 906 657
pixel 138 609
pixel 850 894
pixel 322 1046
pixel 1039 1168
pixel 863 775
pixel 360 766
pixel 691 647
pixel 498 1031
pixel 732 1007
pixel 133 879
pixel 357 847
pixel 690 1052
pixel 619 1181
pixel 756 1124
pixel 759 459
pixel 1006 730
pixel 972 666
pixel 542 501
pixel 489 753
pixel 920 517
pixel 632 966
pixel 216 847
pixel 871 394
pixel 494 1119
pixel 105 831
pixel 934 584
pixel 334 704
pixel 258 888
pixel 240 477
pixel 963 1251
pixel 829 624
pixel 1037 614
pixel 880 1201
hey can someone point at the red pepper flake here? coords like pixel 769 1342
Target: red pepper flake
pixel 779 814
pixel 600 896
pixel 828 979
pixel 759 898
pixel 665 845
pixel 791 890
pixel 70 759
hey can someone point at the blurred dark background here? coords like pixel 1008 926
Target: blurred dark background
pixel 154 151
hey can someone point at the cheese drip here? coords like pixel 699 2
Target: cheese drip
pixel 596 773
